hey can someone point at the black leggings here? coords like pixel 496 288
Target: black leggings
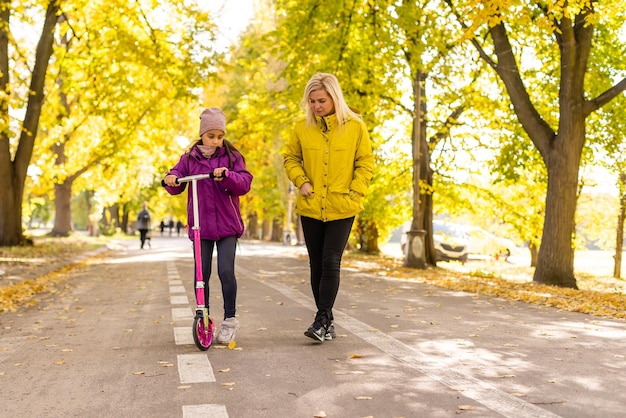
pixel 225 270
pixel 325 242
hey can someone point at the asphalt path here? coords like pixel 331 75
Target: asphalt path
pixel 115 341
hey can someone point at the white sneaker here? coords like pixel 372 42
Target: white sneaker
pixel 227 330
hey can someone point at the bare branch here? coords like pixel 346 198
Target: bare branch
pixel 594 104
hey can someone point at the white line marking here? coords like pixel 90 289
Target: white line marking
pixel 195 368
pixel 181 314
pixel 176 282
pixel 177 289
pixel 486 394
pixel 172 271
pixel 179 300
pixel 205 411
pixel 183 335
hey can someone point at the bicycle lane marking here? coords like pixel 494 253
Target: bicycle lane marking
pixel 192 368
pixel 182 335
pixel 488 395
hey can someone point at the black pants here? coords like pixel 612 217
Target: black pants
pixel 225 270
pixel 143 233
pixel 325 243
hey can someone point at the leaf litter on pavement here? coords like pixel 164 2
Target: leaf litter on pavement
pixel 30 271
pixel 598 296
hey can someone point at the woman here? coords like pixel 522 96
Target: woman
pixel 218 207
pixel 329 159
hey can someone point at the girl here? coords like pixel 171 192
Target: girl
pixel 218 206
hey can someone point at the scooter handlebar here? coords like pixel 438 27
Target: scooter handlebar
pixel 194 177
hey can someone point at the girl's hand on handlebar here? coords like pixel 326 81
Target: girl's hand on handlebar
pixel 220 173
pixel 170 180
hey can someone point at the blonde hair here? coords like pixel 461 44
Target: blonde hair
pixel 330 84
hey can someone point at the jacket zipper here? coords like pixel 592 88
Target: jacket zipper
pixel 232 205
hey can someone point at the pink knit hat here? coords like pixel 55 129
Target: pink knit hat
pixel 212 118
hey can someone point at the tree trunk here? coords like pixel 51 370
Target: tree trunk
pixel 14 171
pixel 266 230
pixel 532 248
pixel 63 209
pixel 125 215
pixel 426 196
pixel 253 226
pixel 11 215
pixel 277 229
pixel 299 231
pixel 619 238
pixel 555 262
pixel 415 254
pixel 368 236
pixel 114 210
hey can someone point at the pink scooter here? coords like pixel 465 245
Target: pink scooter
pixel 203 326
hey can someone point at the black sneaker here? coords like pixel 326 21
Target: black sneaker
pixel 330 332
pixel 316 332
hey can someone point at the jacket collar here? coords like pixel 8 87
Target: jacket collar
pixel 326 123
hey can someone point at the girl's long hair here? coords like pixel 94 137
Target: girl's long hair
pixel 228 146
pixel 329 83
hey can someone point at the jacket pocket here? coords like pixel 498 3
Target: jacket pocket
pixel 341 203
pixel 308 205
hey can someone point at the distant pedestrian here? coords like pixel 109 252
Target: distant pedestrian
pixel 218 206
pixel 162 225
pixel 170 225
pixel 143 224
pixel 179 226
pixel 330 161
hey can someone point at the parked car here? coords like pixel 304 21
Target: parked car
pixel 484 243
pixel 449 239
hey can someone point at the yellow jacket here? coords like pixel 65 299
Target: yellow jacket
pixel 337 163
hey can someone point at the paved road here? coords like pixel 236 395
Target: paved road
pixel 116 342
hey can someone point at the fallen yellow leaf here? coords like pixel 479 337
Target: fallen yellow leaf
pixel 465 407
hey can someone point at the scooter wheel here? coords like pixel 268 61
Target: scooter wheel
pixel 202 336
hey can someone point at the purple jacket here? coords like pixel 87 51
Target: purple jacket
pixel 218 201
